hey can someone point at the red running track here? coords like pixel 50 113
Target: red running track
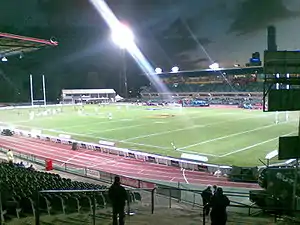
pixel 112 163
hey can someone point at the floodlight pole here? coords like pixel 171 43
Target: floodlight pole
pixel 123 52
pixel 44 89
pixel 31 89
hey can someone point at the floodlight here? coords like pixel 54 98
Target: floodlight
pixel 214 66
pixel 122 36
pixel 175 69
pixel 158 70
pixel 4 59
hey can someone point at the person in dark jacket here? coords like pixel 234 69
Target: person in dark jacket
pixel 206 197
pixel 118 197
pixel 218 205
pixel 214 189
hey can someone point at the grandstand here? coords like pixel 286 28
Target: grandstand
pixel 89 96
pixel 229 86
pixel 20 187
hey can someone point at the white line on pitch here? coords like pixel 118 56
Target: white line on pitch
pixel 197 153
pixel 231 135
pixel 255 145
pixel 118 128
pixel 186 128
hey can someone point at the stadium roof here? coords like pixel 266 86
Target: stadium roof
pixel 208 72
pixel 11 44
pixel 88 91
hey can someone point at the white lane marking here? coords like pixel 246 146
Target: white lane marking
pixel 74 157
pixel 184 176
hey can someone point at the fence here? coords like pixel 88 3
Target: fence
pixel 97 205
pixel 142 208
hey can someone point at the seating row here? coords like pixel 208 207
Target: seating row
pixel 19 189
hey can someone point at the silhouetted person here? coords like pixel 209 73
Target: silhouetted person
pixel 218 205
pixel 118 197
pixel 206 197
pixel 31 168
pixel 214 189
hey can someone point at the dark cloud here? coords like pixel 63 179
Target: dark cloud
pixel 180 38
pixel 253 15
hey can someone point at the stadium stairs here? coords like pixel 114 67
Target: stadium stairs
pixel 19 188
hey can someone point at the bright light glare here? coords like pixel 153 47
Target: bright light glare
pixel 158 70
pixel 4 59
pixel 113 23
pixel 175 69
pixel 214 66
pixel 122 36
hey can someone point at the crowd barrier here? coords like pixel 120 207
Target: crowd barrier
pixel 124 152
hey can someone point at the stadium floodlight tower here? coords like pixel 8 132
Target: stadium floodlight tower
pixel 175 69
pixel 123 37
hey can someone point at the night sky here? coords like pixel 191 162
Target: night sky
pixel 188 33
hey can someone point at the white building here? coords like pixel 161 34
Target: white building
pixel 88 96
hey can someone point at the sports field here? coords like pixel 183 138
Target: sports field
pixel 225 135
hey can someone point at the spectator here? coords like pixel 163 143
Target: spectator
pixel 118 197
pixel 218 205
pixel 31 168
pixel 218 173
pixel 214 189
pixel 10 156
pixel 21 165
pixel 206 197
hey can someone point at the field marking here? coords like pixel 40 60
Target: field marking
pixel 197 153
pixel 232 135
pixel 255 145
pixel 188 128
pixel 114 129
pixel 184 176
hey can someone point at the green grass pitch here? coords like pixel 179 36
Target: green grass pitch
pixel 225 136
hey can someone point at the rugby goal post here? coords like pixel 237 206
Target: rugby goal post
pixel 33 101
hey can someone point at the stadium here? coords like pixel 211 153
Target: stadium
pixel 230 130
pixel 234 128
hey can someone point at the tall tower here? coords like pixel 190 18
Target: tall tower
pixel 272 46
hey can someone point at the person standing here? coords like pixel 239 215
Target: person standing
pixel 214 189
pixel 10 156
pixel 118 197
pixel 206 197
pixel 218 204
